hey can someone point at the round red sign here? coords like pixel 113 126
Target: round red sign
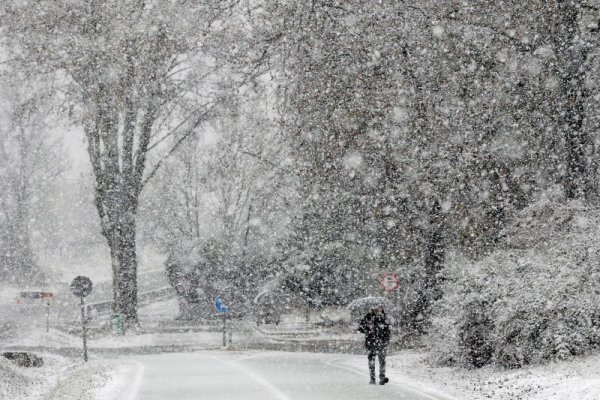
pixel 390 281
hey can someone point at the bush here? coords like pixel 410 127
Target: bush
pixel 524 305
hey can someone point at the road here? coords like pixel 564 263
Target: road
pixel 252 376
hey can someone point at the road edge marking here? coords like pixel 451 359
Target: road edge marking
pixel 137 382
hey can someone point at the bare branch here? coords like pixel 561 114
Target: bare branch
pixel 191 131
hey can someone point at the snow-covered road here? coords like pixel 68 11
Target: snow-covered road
pixel 249 376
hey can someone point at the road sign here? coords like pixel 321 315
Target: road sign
pixel 28 296
pixel 81 286
pixel 44 296
pixel 224 311
pixel 220 307
pixel 390 281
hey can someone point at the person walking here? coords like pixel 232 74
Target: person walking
pixel 376 328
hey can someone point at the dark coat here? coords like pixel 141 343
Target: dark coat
pixel 376 328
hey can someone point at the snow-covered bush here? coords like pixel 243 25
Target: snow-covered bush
pixel 530 302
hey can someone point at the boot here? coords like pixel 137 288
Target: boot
pixel 383 380
pixel 372 373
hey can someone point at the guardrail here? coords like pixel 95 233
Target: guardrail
pixel 144 299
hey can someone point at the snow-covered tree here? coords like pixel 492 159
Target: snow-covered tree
pixel 139 76
pixel 229 194
pixel 334 64
pixel 30 162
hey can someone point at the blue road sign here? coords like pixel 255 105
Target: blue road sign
pixel 220 307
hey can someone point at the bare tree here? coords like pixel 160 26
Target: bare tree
pixel 228 191
pixel 139 75
pixel 30 162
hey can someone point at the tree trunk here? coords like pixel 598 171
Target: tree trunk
pixel 572 57
pixel 577 175
pixel 118 171
pixel 431 280
pixel 435 253
pixel 126 302
pixel 122 244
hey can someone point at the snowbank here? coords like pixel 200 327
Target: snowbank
pixel 578 379
pixel 14 383
pixel 83 381
pixel 54 339
pixel 196 340
pixel 58 379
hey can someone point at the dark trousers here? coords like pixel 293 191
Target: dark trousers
pixel 380 353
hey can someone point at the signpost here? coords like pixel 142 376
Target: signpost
pixel 390 281
pixel 223 310
pixel 81 287
pixel 45 296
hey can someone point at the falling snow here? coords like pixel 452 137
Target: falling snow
pixel 240 175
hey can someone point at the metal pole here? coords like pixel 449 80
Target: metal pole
pixel 224 330
pixel 85 352
pixel 47 316
pixel 230 330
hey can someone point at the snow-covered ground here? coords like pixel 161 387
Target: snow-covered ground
pixel 117 360
pixel 254 375
pixel 60 378
pixel 107 374
pixel 568 380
